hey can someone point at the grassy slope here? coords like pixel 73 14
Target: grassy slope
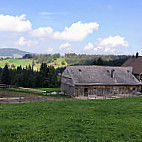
pixel 24 62
pixel 16 62
pixel 76 120
pixel 57 63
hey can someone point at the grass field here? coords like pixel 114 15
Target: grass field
pixel 58 63
pixel 16 62
pixel 23 62
pixel 73 121
pixel 48 90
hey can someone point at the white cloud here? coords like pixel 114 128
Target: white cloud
pixel 114 41
pixel 49 50
pixel 109 50
pixel 44 13
pixel 42 32
pixel 23 42
pixel 110 44
pixel 98 48
pixel 14 23
pixel 89 46
pixel 76 32
pixel 66 46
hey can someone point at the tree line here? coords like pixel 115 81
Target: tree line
pixel 46 77
pixel 80 59
pixel 106 60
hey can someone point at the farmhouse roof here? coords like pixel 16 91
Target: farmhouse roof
pixel 134 62
pixel 101 75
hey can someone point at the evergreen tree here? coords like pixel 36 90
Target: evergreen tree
pixel 5 75
pixel 44 75
pixel 0 74
pixel 52 78
pixel 100 61
pixel 19 69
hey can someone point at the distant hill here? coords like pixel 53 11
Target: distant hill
pixel 12 52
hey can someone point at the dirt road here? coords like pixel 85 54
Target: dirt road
pixel 17 97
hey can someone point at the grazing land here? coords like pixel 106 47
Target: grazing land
pixel 26 62
pixel 34 90
pixel 16 62
pixel 74 120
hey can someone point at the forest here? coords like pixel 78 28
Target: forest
pixel 46 77
pixel 106 60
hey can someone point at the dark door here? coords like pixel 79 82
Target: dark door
pixel 85 91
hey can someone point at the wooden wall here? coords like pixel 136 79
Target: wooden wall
pixel 107 91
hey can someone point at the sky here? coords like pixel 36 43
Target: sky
pixel 72 26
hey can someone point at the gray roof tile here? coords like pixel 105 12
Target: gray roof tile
pixel 101 75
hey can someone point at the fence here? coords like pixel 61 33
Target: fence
pixel 3 86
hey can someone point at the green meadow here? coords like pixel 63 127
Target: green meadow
pixel 16 62
pixel 25 62
pixel 48 90
pixel 72 121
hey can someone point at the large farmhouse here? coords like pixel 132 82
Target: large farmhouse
pixel 99 80
pixel 136 63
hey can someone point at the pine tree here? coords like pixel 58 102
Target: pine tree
pixel 100 61
pixel 52 78
pixel 5 75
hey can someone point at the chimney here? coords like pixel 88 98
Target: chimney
pixel 137 55
pixel 112 73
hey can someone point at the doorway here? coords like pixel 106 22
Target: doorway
pixel 85 91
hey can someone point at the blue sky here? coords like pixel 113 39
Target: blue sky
pixel 72 26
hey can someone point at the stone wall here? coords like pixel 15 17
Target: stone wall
pixel 67 89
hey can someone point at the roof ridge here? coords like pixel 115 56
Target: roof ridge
pixel 98 66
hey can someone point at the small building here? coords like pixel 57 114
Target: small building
pixel 136 63
pixel 99 80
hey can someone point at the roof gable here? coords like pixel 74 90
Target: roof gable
pixel 134 62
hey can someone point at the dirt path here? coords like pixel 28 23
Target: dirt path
pixel 17 97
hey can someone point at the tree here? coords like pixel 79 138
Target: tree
pixel 27 56
pixel 63 63
pixel 44 75
pixel 43 69
pixel 5 75
pixel 100 61
pixel 13 66
pixel 94 62
pixel 19 69
pixel 137 55
pixel 33 64
pixel 52 78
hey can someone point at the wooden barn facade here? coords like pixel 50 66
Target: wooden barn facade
pixel 99 81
